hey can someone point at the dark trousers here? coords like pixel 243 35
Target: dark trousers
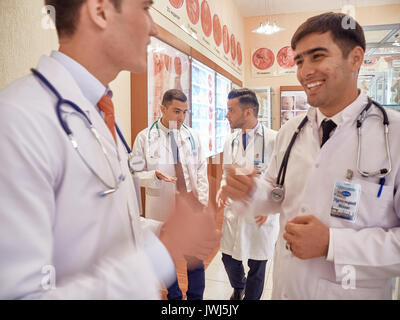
pixel 196 282
pixel 254 284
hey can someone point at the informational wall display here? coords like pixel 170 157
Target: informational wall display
pixel 264 102
pixel 203 21
pixel 168 68
pixel 222 126
pixel 262 59
pixel 293 103
pixel 285 60
pixel 203 105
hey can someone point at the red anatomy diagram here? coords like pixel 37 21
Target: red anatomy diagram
pixel 225 36
pixel 217 30
pixel 176 3
pixel 263 58
pixel 239 54
pixel 233 47
pixel 285 57
pixel 193 10
pixel 206 18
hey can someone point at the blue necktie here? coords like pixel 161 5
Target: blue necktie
pixel 244 139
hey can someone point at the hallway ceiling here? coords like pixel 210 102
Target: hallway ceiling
pixel 254 8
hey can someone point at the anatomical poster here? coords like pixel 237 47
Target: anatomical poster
pixel 262 61
pixel 203 105
pixel 168 68
pixel 293 103
pixel 285 60
pixel 222 126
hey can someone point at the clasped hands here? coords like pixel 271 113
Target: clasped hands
pixel 306 235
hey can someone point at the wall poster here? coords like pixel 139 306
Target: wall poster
pixel 262 60
pixel 293 103
pixel 203 105
pixel 168 68
pixel 222 126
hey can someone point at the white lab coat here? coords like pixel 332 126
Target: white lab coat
pixel 242 238
pixel 155 150
pixel 368 248
pixel 51 217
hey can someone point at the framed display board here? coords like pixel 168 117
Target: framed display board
pixel 293 102
pixel 222 127
pixel 168 68
pixel 264 102
pixel 203 105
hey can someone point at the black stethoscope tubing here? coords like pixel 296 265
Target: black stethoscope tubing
pixel 278 192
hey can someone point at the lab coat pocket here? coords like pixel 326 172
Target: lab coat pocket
pixel 373 211
pixel 328 290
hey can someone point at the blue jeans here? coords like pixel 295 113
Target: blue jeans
pixel 254 285
pixel 196 282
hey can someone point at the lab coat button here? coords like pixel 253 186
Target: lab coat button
pixel 303 209
pixel 317 166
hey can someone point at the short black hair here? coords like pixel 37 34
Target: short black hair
pixel 345 31
pixel 173 94
pixel 247 99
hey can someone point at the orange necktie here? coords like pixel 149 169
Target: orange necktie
pixel 105 104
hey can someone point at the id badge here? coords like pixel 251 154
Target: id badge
pixel 346 197
pixel 258 166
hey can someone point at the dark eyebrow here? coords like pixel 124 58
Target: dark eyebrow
pixel 308 52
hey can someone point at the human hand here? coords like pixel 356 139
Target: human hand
pixel 239 183
pixel 260 220
pixel 221 199
pixel 165 177
pixel 190 230
pixel 307 237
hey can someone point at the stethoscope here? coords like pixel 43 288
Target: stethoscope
pixel 135 163
pixel 155 125
pixel 278 192
pixel 235 140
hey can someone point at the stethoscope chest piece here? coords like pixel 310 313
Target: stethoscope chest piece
pixel 136 163
pixel 277 193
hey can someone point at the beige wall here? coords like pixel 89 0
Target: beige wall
pixel 364 15
pixel 23 41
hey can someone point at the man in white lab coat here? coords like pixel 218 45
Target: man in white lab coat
pixel 340 220
pixel 69 222
pixel 174 163
pixel 247 238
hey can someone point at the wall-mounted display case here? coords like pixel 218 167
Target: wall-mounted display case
pixel 293 102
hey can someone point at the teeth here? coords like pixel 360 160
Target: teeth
pixel 314 84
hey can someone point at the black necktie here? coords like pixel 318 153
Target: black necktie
pixel 180 182
pixel 244 139
pixel 327 127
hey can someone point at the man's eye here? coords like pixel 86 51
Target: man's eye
pixel 298 62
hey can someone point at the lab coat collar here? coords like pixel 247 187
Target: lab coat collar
pixel 256 130
pixel 63 81
pixel 347 115
pixel 90 86
pixel 67 87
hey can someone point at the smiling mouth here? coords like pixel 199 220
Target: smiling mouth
pixel 313 86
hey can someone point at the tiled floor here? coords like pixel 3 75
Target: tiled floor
pixel 217 282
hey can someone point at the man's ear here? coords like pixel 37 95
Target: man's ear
pixel 99 12
pixel 356 58
pixel 163 108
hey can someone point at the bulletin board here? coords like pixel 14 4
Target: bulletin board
pixel 293 102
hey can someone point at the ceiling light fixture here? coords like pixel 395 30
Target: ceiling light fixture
pixel 267 28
